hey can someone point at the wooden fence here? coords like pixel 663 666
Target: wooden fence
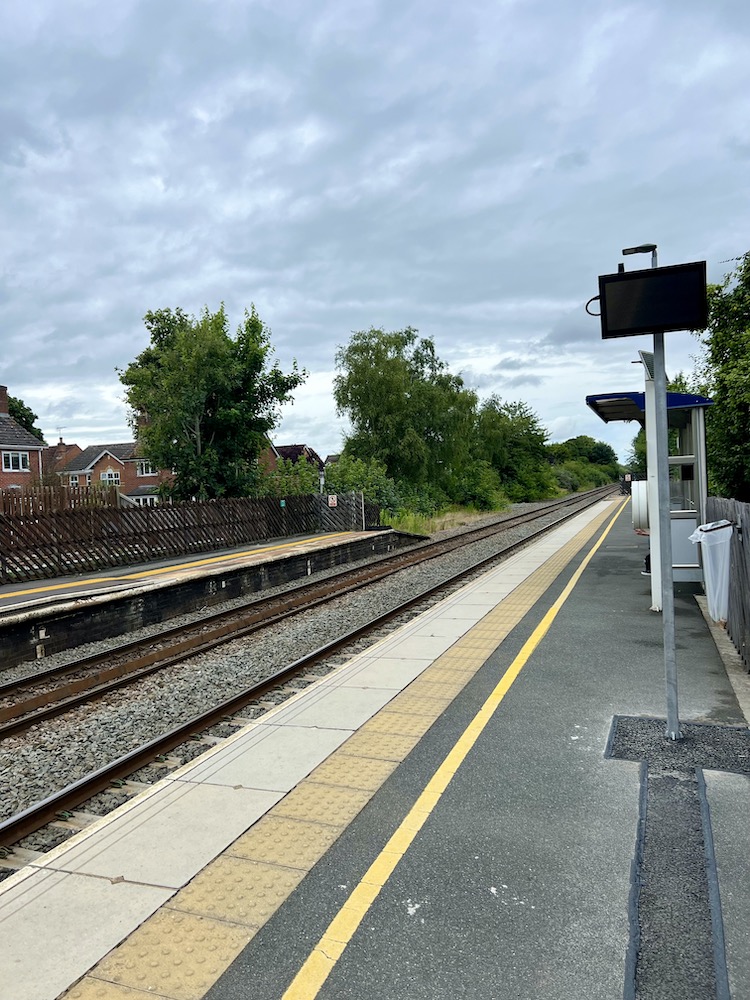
pixel 738 619
pixel 42 499
pixel 44 544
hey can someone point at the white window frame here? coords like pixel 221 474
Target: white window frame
pixel 145 468
pixel 72 480
pixel 21 457
pixel 111 477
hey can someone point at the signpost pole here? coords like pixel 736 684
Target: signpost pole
pixel 664 521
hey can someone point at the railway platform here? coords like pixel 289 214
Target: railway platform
pixel 41 617
pixel 483 804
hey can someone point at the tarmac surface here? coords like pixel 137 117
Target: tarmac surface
pixel 562 860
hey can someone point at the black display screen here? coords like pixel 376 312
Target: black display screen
pixel 654 300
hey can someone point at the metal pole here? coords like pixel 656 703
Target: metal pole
pixel 665 533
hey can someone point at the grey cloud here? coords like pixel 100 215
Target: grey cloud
pixel 466 171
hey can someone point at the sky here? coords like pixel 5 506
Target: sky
pixel 464 169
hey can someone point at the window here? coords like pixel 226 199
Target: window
pixel 73 481
pixel 15 461
pixel 144 468
pixel 111 477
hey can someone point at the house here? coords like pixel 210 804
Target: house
pixel 56 457
pixel 21 451
pixel 118 465
pixel 269 457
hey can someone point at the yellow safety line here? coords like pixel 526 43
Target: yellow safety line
pixel 169 569
pixel 320 963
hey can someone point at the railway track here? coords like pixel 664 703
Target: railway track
pixel 56 691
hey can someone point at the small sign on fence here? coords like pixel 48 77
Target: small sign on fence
pixel 332 500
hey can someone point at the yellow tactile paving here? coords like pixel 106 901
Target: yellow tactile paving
pixel 329 804
pixel 452 673
pixel 428 686
pixel 180 951
pixel 398 723
pixel 237 890
pixel 417 703
pixel 381 746
pixel 339 769
pixel 277 840
pixel 175 955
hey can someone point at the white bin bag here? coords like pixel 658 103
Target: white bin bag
pixel 715 540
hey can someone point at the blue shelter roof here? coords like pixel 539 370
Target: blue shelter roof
pixel 631 406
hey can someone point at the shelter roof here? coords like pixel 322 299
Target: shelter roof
pixel 611 406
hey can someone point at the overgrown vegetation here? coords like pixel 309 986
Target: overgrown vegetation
pixel 437 445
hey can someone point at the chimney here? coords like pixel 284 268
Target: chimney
pixel 4 399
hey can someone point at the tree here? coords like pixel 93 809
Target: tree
pixel 350 475
pixel 512 440
pixel 406 409
pixel 725 377
pixel 289 479
pixel 24 416
pixel 203 402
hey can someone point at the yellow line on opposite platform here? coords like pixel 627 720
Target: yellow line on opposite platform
pixel 320 963
pixel 168 569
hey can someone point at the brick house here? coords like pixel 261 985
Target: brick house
pixel 56 457
pixel 116 465
pixel 20 451
pixel 269 457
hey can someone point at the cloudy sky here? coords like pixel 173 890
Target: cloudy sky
pixel 466 169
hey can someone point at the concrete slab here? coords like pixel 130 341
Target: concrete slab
pixel 729 806
pixel 190 823
pixel 387 672
pixel 54 925
pixel 274 758
pixel 335 707
pixel 421 647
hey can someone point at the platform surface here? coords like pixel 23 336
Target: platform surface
pixel 439 818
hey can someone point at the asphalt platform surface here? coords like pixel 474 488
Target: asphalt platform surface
pixel 576 853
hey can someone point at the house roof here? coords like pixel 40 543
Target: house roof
pixel 88 458
pixel 295 452
pixel 12 435
pixel 142 491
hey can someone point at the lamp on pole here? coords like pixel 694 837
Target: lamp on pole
pixel 664 520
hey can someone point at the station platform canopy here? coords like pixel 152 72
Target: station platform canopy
pixel 610 406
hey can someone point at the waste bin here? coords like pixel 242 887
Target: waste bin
pixel 715 540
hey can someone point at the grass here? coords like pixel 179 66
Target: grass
pixel 416 524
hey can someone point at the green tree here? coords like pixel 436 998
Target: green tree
pixel 290 479
pixel 203 402
pixel 405 407
pixel 724 375
pixel 24 416
pixel 512 440
pixel 351 475
pixel 636 458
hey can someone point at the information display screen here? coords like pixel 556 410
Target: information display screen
pixel 654 300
